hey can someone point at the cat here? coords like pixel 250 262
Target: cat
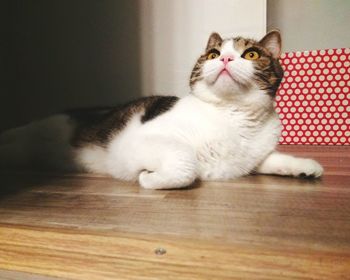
pixel 225 128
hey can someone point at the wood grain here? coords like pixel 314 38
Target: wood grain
pixel 74 226
pixel 75 254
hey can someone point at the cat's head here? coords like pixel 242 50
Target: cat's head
pixel 236 67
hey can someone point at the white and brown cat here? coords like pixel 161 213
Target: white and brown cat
pixel 225 128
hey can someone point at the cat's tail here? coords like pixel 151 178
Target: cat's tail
pixel 41 144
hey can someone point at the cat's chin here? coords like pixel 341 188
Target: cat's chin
pixel 223 90
pixel 226 87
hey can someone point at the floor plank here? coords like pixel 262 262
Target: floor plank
pixel 15 275
pixel 78 226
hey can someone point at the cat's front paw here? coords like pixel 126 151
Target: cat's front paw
pixel 307 168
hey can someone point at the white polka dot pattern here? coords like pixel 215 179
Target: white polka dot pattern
pixel 313 101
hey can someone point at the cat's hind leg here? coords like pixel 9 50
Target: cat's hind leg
pixel 168 165
pixel 287 165
pixel 157 162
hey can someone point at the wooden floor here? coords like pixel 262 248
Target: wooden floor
pixel 258 227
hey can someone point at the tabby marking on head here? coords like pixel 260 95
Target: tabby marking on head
pixel 253 64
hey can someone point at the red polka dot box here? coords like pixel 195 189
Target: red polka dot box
pixel 313 100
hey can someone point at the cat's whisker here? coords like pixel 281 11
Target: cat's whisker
pixel 208 73
pixel 242 74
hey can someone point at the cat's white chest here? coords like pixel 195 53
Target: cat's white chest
pixel 226 147
pixel 226 142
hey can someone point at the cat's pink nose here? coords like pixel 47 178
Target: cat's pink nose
pixel 226 59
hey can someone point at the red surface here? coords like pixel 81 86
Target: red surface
pixel 314 98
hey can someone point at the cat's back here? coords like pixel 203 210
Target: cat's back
pixel 101 126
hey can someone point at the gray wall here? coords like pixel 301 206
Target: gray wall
pixel 310 24
pixel 61 54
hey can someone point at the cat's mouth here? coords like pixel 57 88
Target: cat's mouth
pixel 224 73
pixel 226 77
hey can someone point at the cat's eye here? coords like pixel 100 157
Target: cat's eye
pixel 213 55
pixel 251 55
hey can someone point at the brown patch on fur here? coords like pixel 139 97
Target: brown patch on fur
pixel 157 106
pixel 96 127
pixel 266 41
pixel 197 70
pixel 214 42
pixel 269 72
pixel 241 44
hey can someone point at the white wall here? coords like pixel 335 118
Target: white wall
pixel 175 32
pixel 310 24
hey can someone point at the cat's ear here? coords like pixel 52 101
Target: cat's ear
pixel 273 43
pixel 213 41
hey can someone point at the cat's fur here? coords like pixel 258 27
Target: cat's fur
pixel 225 128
